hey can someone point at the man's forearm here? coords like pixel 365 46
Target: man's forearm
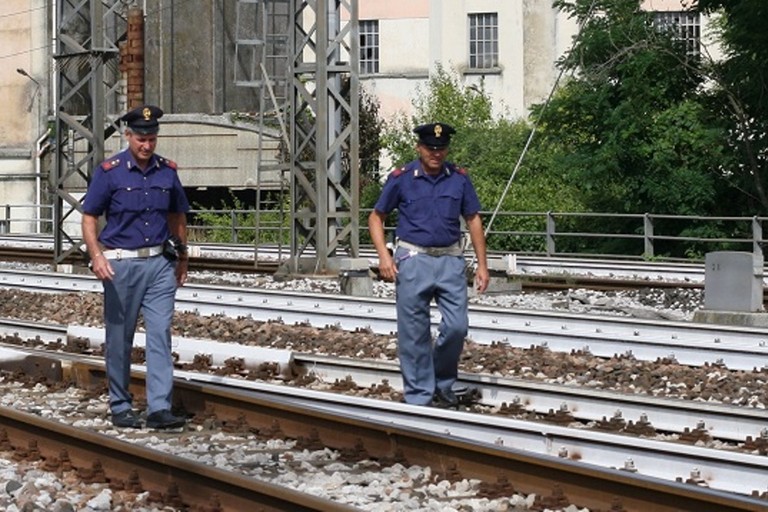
pixel 177 225
pixel 477 236
pixel 89 226
pixel 376 229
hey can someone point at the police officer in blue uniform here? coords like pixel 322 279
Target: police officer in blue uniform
pixel 140 257
pixel 431 196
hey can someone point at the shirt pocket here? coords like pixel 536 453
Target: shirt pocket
pixel 448 205
pixel 418 208
pixel 127 199
pixel 160 196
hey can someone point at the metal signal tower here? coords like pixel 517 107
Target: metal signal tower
pixel 322 120
pixel 325 96
pixel 86 100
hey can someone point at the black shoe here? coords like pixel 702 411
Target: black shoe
pixel 165 419
pixel 445 399
pixel 126 419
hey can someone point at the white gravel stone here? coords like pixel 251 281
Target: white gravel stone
pixel 102 501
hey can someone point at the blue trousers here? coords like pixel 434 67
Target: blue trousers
pixel 427 366
pixel 147 285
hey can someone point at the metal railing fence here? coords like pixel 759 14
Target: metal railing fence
pixel 644 236
pixel 26 219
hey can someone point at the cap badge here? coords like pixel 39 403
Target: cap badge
pixel 147 113
pixel 438 130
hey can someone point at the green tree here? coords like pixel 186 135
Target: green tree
pixel 630 128
pixel 371 127
pixel 445 99
pixel 370 138
pixel 741 95
pixel 631 131
pixel 490 148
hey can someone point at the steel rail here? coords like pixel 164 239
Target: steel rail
pixel 736 472
pixel 720 421
pixel 195 482
pixel 523 266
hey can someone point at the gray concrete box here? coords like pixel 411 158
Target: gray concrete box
pixel 355 277
pixel 733 281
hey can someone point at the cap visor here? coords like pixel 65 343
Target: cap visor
pixel 144 130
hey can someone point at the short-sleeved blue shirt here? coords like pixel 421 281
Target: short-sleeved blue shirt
pixel 135 203
pixel 429 207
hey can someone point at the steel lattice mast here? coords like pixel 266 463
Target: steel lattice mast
pixel 322 122
pixel 324 130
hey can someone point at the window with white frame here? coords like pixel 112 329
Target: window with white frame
pixel 484 40
pixel 684 26
pixel 369 46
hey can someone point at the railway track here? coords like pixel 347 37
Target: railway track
pixel 536 417
pixel 549 331
pixel 512 397
pixel 529 268
pixel 532 273
pixel 735 347
pixel 173 481
pixel 556 481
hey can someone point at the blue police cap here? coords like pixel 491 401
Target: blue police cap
pixel 434 135
pixel 143 120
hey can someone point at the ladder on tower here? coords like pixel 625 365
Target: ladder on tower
pixel 261 62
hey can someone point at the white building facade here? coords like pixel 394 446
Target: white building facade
pixel 510 46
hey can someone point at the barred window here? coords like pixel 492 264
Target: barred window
pixel 684 26
pixel 369 46
pixel 484 40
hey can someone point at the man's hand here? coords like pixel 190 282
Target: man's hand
pixel 182 265
pixel 482 278
pixel 387 267
pixel 101 268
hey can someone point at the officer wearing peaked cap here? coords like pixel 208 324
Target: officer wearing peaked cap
pixel 143 120
pixel 141 197
pixel 431 197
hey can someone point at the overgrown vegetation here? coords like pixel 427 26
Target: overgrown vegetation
pixel 236 222
pixel 638 125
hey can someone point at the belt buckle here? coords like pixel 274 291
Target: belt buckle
pixel 118 254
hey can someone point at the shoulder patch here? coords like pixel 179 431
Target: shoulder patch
pixel 398 172
pixel 110 164
pixel 461 170
pixel 169 163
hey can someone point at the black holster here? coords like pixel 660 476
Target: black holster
pixel 172 248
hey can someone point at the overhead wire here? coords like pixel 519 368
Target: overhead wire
pixel 25 11
pixel 535 125
pixel 48 46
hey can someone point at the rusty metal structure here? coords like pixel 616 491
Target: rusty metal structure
pixel 99 67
